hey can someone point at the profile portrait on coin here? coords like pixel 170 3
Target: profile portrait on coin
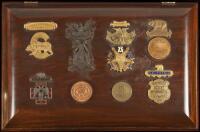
pixel 81 91
pixel 122 91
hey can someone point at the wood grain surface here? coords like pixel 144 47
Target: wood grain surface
pixel 102 111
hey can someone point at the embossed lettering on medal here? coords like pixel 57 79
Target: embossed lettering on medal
pixel 40 49
pixel 41 92
pixel 159 47
pixel 159 72
pixel 39 45
pixel 81 36
pixel 120 37
pixel 122 91
pixel 159 91
pixel 81 91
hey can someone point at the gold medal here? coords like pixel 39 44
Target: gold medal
pixel 159 91
pixel 40 50
pixel 120 38
pixel 81 91
pixel 122 91
pixel 159 48
pixel 39 45
pixel 119 61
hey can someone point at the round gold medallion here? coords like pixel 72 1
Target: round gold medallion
pixel 81 91
pixel 159 48
pixel 122 91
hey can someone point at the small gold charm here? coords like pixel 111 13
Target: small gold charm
pixel 159 72
pixel 34 26
pixel 40 50
pixel 159 28
pixel 159 91
pixel 122 91
pixel 120 60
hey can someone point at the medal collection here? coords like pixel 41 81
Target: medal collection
pixel 120 37
pixel 159 48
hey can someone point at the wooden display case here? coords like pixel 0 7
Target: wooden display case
pixel 102 111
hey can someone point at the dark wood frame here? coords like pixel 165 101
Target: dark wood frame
pixel 189 10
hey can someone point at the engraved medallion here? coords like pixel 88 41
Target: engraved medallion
pixel 122 91
pixel 120 58
pixel 159 91
pixel 39 46
pixel 159 72
pixel 81 35
pixel 81 91
pixel 41 93
pixel 159 48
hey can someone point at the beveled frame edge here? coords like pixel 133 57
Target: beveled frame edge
pixel 7 73
pixel 4 86
pixel 193 66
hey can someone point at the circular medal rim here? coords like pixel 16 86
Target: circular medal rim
pixel 128 97
pixel 159 58
pixel 75 98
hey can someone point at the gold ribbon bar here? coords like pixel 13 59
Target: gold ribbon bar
pixel 120 24
pixel 33 26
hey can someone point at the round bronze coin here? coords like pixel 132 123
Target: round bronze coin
pixel 81 91
pixel 159 48
pixel 122 91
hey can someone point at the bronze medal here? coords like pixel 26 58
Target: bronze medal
pixel 81 91
pixel 122 91
pixel 159 48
